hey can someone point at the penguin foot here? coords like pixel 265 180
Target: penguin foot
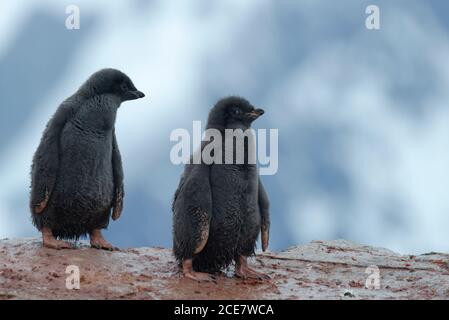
pixel 242 270
pixel 57 244
pixel 49 241
pixel 98 242
pixel 187 270
pixel 200 276
pixel 248 273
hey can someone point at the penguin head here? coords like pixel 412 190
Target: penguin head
pixel 233 113
pixel 112 81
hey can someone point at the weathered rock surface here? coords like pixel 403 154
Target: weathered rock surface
pixel 319 270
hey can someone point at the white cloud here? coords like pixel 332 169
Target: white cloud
pixel 388 152
pixel 395 158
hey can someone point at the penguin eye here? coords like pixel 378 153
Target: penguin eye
pixel 237 111
pixel 124 87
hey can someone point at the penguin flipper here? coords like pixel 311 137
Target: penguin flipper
pixel 45 165
pixel 192 208
pixel 264 205
pixel 117 168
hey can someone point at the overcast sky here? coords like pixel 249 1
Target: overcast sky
pixel 362 115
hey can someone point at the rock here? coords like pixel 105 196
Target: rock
pixel 349 293
pixel 320 270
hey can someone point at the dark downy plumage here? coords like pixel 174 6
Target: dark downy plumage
pixel 77 175
pixel 219 209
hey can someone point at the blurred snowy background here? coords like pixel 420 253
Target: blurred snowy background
pixel 363 116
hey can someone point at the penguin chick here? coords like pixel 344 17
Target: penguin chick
pixel 77 174
pixel 219 209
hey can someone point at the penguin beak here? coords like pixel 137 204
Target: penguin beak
pixel 133 95
pixel 256 113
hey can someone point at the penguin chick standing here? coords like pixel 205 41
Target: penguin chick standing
pixel 219 209
pixel 77 175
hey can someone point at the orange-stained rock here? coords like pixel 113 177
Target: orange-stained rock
pixel 319 270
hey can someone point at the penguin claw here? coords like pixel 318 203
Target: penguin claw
pixel 98 242
pixel 263 276
pixel 57 244
pixel 107 247
pixel 248 273
pixel 200 277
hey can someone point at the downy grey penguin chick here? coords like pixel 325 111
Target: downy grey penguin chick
pixel 77 174
pixel 219 209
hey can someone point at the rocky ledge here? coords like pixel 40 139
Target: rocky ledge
pixel 320 270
